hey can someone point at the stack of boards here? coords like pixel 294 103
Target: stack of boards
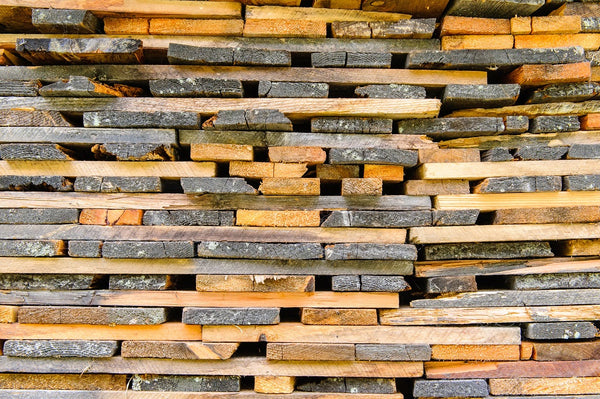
pixel 377 199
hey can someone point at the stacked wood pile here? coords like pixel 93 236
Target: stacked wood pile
pixel 377 199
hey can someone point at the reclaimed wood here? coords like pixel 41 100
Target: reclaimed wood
pixel 97 382
pixel 557 351
pixel 85 394
pixel 534 110
pixel 237 366
pixel 136 73
pixel 295 109
pixel 319 14
pixel 143 298
pixel 177 350
pixel 295 332
pixel 475 352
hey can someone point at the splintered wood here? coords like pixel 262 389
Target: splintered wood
pixel 299 199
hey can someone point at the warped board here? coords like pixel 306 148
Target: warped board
pixel 523 369
pixel 293 108
pixel 166 331
pixel 533 110
pixel 477 171
pixel 515 141
pixel 505 267
pixel 56 394
pixel 324 299
pixel 499 233
pixel 302 45
pixel 204 233
pixel 423 316
pixel 79 135
pixel 341 76
pixel 165 201
pixel 493 201
pixel 109 168
pixel 319 14
pixel 67 265
pixel 187 9
pixel 295 332
pixel 235 366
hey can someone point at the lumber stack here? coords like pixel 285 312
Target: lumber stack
pixel 374 199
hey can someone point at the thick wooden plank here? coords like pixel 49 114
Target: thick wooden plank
pixel 141 7
pixel 177 350
pixel 577 214
pixel 500 233
pixel 477 171
pixel 285 28
pixel 166 331
pixel 108 168
pixel 200 27
pixel 494 8
pixel 300 351
pixel 488 315
pixel 323 299
pixel 270 384
pixel 77 135
pixel 136 73
pixel 534 110
pixel 522 369
pixel 247 366
pixel 418 9
pixel 203 266
pixel 556 351
pixel 475 352
pixel 520 140
pixel 63 382
pixel 319 14
pixel 298 109
pixel 295 332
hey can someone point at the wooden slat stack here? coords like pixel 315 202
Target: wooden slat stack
pixel 376 199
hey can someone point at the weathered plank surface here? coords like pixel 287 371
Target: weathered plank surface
pixel 233 316
pixel 88 315
pixel 178 383
pixel 177 350
pixel 60 348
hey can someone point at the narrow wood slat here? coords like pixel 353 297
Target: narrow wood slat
pixel 109 168
pixel 204 233
pixel 319 14
pixel 293 108
pixel 321 299
pixel 75 394
pixel 523 369
pixel 507 232
pixel 493 201
pixel 247 366
pixel 476 171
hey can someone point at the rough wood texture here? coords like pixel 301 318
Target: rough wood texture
pixel 556 351
pixel 477 42
pixel 88 315
pixel 296 351
pixel 348 317
pixel 538 75
pixel 289 186
pixel 177 350
pixel 284 28
pixel 60 382
pixel 235 316
pixel 494 9
pixel 179 383
pixel 60 348
pixel 65 21
pixel 454 25
pixel 199 27
pixel 475 352
pixel 319 14
pixel 254 283
pixel 271 384
pixel 535 386
pixel 576 214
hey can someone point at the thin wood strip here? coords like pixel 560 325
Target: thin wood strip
pixel 493 201
pixel 322 299
pixel 62 394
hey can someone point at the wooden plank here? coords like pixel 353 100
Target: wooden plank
pixel 348 317
pixel 499 233
pixel 256 283
pixel 494 8
pixel 300 351
pixel 323 299
pixel 245 217
pixel 126 26
pixel 453 25
pixel 557 351
pixel 319 14
pixel 177 350
pixel 515 141
pixel 297 109
pixel 8 314
pixel 166 331
pixel 136 73
pixel 109 168
pixel 140 7
pixel 199 27
pixel 477 42
pixel 90 315
pixel 206 233
pixel 588 41
pixel 285 28
pixel 579 247
pixel 495 201
pixel 433 8
pixel 97 382
pixel 478 171
pixel 538 75
pixel 78 135
pixel 534 110
pixel 506 267
pixel 202 266
pixel 545 386
pixel 576 214
pixel 295 332
pixel 272 384
pixel 488 315
pixel 522 369
pixel 86 394
pixel 475 352
pixel 512 298
pixel 247 366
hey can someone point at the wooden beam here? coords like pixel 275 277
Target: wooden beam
pixel 491 202
pixel 295 332
pixel 187 9
pixel 339 76
pixel 204 233
pixel 247 366
pixel 16 199
pixel 67 265
pixel 319 14
pixel 500 315
pixel 298 109
pixel 166 331
pixel 205 299
pixel 129 394
pixel 506 267
pixel 478 171
pixel 527 369
pixel 507 232
pixel 109 168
